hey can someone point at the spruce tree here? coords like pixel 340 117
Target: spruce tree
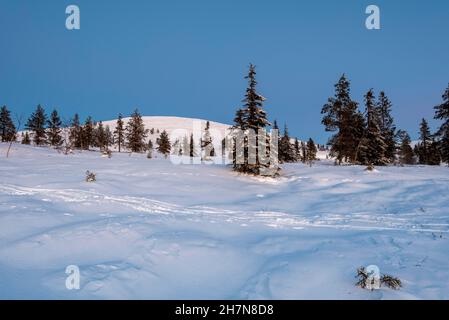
pixel 76 133
pixel 342 116
pixel 7 127
pixel 54 130
pixel 136 133
pixel 442 113
pixel 192 151
pixel 311 151
pixel 434 157
pixel 405 153
pixel 286 150
pixel 387 127
pixel 36 123
pixel 119 133
pixel 163 143
pixel 88 137
pixel 371 150
pixel 101 140
pixel 423 148
pixel 251 117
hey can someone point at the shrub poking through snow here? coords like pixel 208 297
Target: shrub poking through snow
pixel 391 282
pixel 362 274
pixel 90 176
pixel 365 282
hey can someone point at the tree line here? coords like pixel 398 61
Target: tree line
pixel 371 137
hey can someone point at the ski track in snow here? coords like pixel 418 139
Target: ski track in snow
pixel 148 229
pixel 357 220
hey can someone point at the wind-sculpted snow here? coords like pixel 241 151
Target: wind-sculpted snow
pixel 150 229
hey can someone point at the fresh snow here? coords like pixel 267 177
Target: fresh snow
pixel 148 229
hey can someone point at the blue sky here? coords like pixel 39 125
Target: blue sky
pixel 188 58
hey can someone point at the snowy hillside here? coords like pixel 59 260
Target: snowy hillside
pixel 178 124
pixel 151 229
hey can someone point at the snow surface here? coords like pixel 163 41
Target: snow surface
pixel 148 229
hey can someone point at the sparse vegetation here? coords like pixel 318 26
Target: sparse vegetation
pixel 90 176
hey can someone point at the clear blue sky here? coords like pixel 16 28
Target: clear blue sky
pixel 188 58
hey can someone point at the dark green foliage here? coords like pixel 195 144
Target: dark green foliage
pixel 36 123
pixel 387 127
pixel 7 127
pixel 163 143
pixel 311 151
pixel 136 133
pixel 192 151
pixel 371 149
pixel 76 133
pixel 342 116
pixel 286 149
pixel 251 117
pixel 88 137
pixel 54 130
pixel 427 149
pixel 100 137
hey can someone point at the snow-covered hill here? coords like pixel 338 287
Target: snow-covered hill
pixel 150 229
pixel 173 125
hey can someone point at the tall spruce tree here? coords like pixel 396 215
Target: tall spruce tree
pixel 54 130
pixel 192 151
pixel 423 147
pixel 101 140
pixel 286 150
pixel 311 151
pixel 387 127
pixel 251 117
pixel 36 123
pixel 442 113
pixel 7 127
pixel 88 134
pixel 136 133
pixel 119 133
pixel 405 152
pixel 76 132
pixel 341 115
pixel 371 150
pixel 163 143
